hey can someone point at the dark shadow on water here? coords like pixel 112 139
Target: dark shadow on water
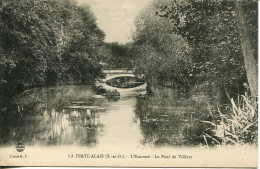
pixel 169 118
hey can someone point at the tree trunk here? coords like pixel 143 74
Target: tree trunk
pixel 247 49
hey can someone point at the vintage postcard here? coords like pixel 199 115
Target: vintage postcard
pixel 129 83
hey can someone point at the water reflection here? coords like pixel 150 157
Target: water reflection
pixel 121 128
pixel 160 125
pixel 70 115
pixel 42 118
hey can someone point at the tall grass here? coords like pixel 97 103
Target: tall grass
pixel 236 124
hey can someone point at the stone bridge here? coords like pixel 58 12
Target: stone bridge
pixel 124 91
pixel 110 74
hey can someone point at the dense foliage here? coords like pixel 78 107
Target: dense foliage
pixel 160 54
pixel 116 56
pixel 212 31
pixel 47 43
pixel 204 35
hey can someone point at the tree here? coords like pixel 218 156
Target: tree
pixel 247 49
pixel 211 30
pixel 47 43
pixel 82 38
pixel 116 55
pixel 160 54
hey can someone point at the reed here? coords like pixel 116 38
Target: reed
pixel 236 124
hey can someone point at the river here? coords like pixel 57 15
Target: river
pixel 71 126
pixel 73 115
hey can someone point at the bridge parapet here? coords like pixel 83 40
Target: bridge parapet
pixel 110 74
pixel 118 71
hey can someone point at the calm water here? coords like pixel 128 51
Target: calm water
pixel 73 115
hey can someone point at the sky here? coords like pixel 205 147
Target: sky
pixel 116 17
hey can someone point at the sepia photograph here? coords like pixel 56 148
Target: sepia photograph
pixel 129 83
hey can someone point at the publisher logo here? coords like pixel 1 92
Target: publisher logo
pixel 20 147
